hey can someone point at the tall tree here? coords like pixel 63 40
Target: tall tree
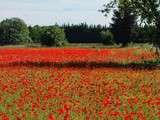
pixel 13 31
pixel 123 23
pixel 148 12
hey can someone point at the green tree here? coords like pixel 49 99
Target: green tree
pixel 123 19
pixel 148 12
pixel 14 31
pixel 35 33
pixel 53 36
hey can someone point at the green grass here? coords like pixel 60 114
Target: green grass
pixel 82 45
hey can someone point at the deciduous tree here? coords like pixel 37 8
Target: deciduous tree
pixel 123 19
pixel 14 31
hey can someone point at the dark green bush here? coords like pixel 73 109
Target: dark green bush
pixel 53 36
pixel 107 37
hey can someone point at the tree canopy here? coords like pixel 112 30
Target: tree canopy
pixel 13 31
pixel 148 12
pixel 53 36
pixel 123 20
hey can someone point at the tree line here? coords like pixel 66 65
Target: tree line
pixel 84 33
pixel 15 31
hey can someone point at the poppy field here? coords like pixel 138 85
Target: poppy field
pixel 77 93
pixel 21 55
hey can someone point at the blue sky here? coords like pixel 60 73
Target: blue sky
pixel 48 12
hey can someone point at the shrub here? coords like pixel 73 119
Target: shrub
pixel 53 36
pixel 107 37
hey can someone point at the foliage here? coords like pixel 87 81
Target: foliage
pixel 53 36
pixel 122 27
pixel 35 33
pixel 81 33
pixel 148 12
pixel 144 34
pixel 107 37
pixel 123 22
pixel 84 33
pixel 14 31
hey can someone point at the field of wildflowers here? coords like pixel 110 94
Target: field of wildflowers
pixel 77 93
pixel 74 55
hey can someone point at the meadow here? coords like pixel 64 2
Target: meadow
pixel 44 84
